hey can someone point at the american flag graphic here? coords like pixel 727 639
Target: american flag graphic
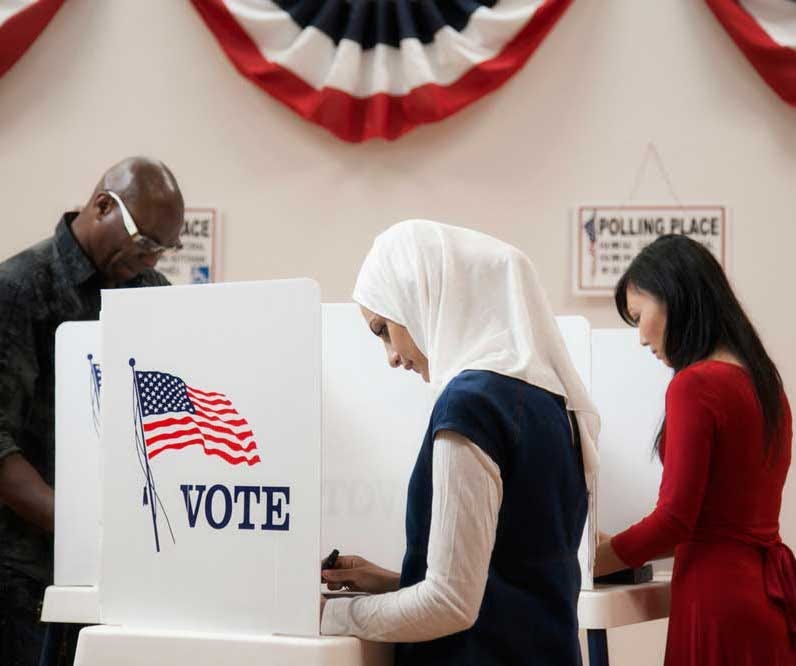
pixel 174 415
pixel 95 380
pixel 591 232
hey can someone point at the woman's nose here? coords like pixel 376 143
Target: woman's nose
pixel 394 359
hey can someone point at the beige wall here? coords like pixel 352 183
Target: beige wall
pixel 114 77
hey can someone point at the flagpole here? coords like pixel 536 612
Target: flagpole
pixel 90 358
pixel 149 482
pixel 95 398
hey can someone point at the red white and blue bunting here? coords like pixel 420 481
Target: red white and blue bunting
pixel 378 68
pixel 765 30
pixel 21 22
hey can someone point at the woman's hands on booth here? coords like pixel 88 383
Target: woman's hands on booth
pixel 606 560
pixel 355 573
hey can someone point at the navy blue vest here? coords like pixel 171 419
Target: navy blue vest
pixel 529 611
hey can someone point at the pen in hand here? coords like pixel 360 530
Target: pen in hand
pixel 330 560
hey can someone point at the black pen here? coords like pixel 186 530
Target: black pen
pixel 330 561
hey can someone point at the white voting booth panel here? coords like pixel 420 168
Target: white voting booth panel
pixel 628 388
pixel 374 421
pixel 217 527
pixel 77 456
pixel 576 332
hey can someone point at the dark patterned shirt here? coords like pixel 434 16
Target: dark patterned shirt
pixel 41 287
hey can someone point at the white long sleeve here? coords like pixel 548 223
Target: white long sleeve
pixel 467 493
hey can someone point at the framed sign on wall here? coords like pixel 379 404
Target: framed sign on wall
pixel 607 238
pixel 199 260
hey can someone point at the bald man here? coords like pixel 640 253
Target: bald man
pixel 133 217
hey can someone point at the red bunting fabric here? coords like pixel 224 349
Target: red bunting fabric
pixel 21 22
pixel 365 69
pixel 765 30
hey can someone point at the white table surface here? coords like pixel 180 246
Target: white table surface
pixel 72 604
pixel 609 606
pixel 105 645
pixel 605 607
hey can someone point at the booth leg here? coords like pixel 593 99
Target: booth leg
pixel 598 647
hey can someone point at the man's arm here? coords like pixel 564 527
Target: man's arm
pixel 21 486
pixel 25 492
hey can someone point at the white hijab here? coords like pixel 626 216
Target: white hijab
pixel 472 302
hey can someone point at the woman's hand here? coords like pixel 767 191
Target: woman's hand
pixel 606 560
pixel 358 575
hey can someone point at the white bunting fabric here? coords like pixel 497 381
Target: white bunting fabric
pixel 366 69
pixel 378 68
pixel 765 30
pixel 21 22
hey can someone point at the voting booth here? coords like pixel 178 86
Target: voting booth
pixel 214 442
pixel 211 429
pixel 628 388
pixel 374 421
pixel 77 454
pixel 207 449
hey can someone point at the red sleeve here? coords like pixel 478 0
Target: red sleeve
pixel 690 428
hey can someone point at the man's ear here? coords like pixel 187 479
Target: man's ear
pixel 102 204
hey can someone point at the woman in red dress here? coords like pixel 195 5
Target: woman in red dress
pixel 725 446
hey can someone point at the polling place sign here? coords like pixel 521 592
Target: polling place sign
pixel 198 261
pixel 607 238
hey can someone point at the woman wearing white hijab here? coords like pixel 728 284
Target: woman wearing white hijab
pixel 498 497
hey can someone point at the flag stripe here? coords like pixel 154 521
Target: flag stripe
pixel 208 403
pixel 214 411
pixel 149 427
pixel 225 445
pixel 218 412
pixel 235 446
pixel 234 460
pixel 180 438
pixel 211 408
pixel 229 422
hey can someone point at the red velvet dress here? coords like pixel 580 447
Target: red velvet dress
pixel 734 581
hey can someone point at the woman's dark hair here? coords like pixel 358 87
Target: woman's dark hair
pixel 702 314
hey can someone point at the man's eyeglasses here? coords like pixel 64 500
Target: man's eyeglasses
pixel 143 243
